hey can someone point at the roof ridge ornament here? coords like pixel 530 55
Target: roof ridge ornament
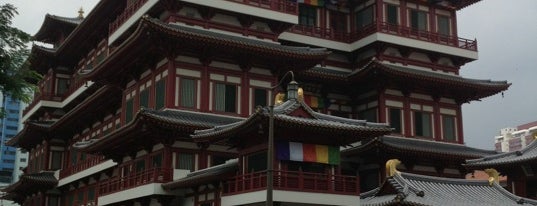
pixel 81 13
pixel 391 167
pixel 494 176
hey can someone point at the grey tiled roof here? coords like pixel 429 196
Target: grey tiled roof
pixel 71 20
pixel 188 118
pixel 168 118
pixel 204 175
pixel 526 155
pixel 419 146
pixel 247 42
pixel 33 182
pixel 282 113
pixel 412 189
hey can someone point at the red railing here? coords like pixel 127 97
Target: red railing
pixel 123 17
pixel 384 27
pixel 284 6
pixel 294 181
pixel 153 175
pixel 82 165
pixel 96 57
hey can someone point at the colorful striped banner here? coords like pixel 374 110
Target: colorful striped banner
pixel 300 152
pixel 312 2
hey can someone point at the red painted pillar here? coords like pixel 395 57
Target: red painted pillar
pixel 460 133
pixel 205 83
pixel 382 107
pixel 245 93
pixel 403 15
pixel 437 135
pixel 170 84
pixel 407 114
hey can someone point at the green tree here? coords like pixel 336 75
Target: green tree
pixel 16 77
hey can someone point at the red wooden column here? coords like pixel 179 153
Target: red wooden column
pixel 403 13
pixel 205 83
pixel 407 113
pixel 382 106
pixel 437 135
pixel 380 13
pixel 245 92
pixel 170 83
pixel 460 134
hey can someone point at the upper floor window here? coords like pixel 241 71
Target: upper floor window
pixel 364 17
pixel 338 21
pixel 129 109
pixel 395 119
pixel 418 20
pixel 187 92
pixel 160 93
pixel 422 124
pixel 448 128
pixel 56 160
pixel 307 15
pixel 260 97
pixel 185 161
pixel 369 115
pixel 225 96
pixel 392 14
pixel 443 25
pixel 62 85
pixel 144 95
pixel 257 162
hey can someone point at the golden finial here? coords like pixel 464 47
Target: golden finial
pixel 279 99
pixel 300 94
pixel 391 167
pixel 494 176
pixel 534 135
pixel 81 13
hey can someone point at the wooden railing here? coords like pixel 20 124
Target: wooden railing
pixel 81 166
pixel 384 27
pixel 95 57
pixel 123 17
pixel 117 184
pixel 283 6
pixel 294 181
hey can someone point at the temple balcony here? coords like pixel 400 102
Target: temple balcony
pixel 84 169
pixel 293 187
pixel 134 11
pixel 384 32
pixel 144 183
pixel 59 87
pixel 278 10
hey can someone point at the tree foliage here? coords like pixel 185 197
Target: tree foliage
pixel 16 78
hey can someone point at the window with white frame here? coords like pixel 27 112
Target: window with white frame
pixel 448 128
pixel 187 92
pixel 423 124
pixel 395 117
pixel 418 20
pixel 443 25
pixel 225 97
pixel 392 14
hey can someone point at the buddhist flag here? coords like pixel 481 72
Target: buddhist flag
pixel 300 152
pixel 312 2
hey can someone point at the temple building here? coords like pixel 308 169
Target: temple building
pixel 243 102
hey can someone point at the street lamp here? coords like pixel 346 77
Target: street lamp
pixel 292 93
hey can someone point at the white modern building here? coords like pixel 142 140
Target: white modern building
pixel 515 138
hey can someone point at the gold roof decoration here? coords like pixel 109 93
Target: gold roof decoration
pixel 391 167
pixel 81 13
pixel 494 176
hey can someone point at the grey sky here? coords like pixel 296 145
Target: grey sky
pixel 505 32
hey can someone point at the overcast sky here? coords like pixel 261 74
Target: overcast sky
pixel 506 32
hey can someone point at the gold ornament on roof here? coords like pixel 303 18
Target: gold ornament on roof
pixel 494 176
pixel 535 135
pixel 391 167
pixel 300 94
pixel 279 99
pixel 81 13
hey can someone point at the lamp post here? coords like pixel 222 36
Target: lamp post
pixel 292 93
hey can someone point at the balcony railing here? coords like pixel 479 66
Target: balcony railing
pixel 117 184
pixel 81 166
pixel 283 6
pixel 123 17
pixel 384 27
pixel 93 59
pixel 294 181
